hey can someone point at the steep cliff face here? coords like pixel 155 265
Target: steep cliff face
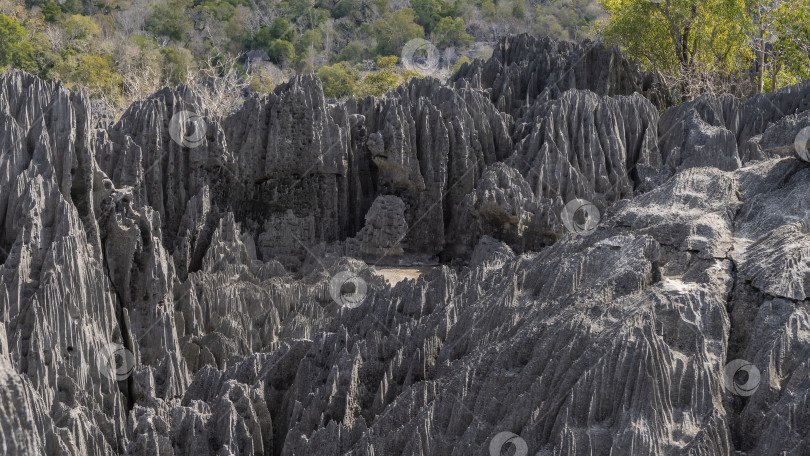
pixel 84 274
pixel 174 283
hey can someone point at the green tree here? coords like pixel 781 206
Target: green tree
pixel 394 30
pixel 281 51
pixel 681 37
pixel 378 83
pixel 452 32
pixel 261 39
pixel 461 61
pixel 338 80
pixel 169 20
pixel 547 24
pixel 308 39
pixel 44 58
pixel 488 9
pixel 79 27
pixel 305 13
pixel 98 75
pixel 518 9
pixel 266 36
pixel 15 50
pixel 344 8
pixel 52 12
pixel 387 61
pixel 430 12
pixel 763 17
pixel 72 6
pixel 280 29
pixel 791 49
pixel 176 64
pixel 355 51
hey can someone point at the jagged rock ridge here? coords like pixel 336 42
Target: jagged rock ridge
pixel 212 268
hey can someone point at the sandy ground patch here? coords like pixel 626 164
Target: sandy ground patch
pixel 394 275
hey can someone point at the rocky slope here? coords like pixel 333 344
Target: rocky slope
pixel 612 281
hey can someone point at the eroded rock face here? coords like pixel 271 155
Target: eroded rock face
pixel 159 298
pixel 384 230
pixel 525 69
pixel 764 126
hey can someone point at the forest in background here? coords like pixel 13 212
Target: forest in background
pixel 124 50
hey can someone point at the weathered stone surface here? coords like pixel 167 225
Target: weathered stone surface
pixel 725 132
pixel 81 271
pixel 384 230
pixel 525 69
pixel 600 149
pixel 211 270
pixel 502 204
pixel 781 138
pixel 490 249
pixel 429 145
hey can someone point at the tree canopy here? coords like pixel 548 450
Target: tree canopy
pixel 123 51
pixel 14 50
pixel 673 35
pixel 699 42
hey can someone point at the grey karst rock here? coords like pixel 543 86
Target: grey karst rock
pixel 702 132
pixel 763 110
pixel 769 117
pixel 64 301
pixel 102 114
pixel 524 68
pixel 385 228
pixel 722 111
pixel 503 205
pixel 781 138
pixel 165 298
pixel 429 144
pixel 193 226
pixel 27 428
pixel 699 144
pixel 600 149
pixel 778 263
pixel 489 250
